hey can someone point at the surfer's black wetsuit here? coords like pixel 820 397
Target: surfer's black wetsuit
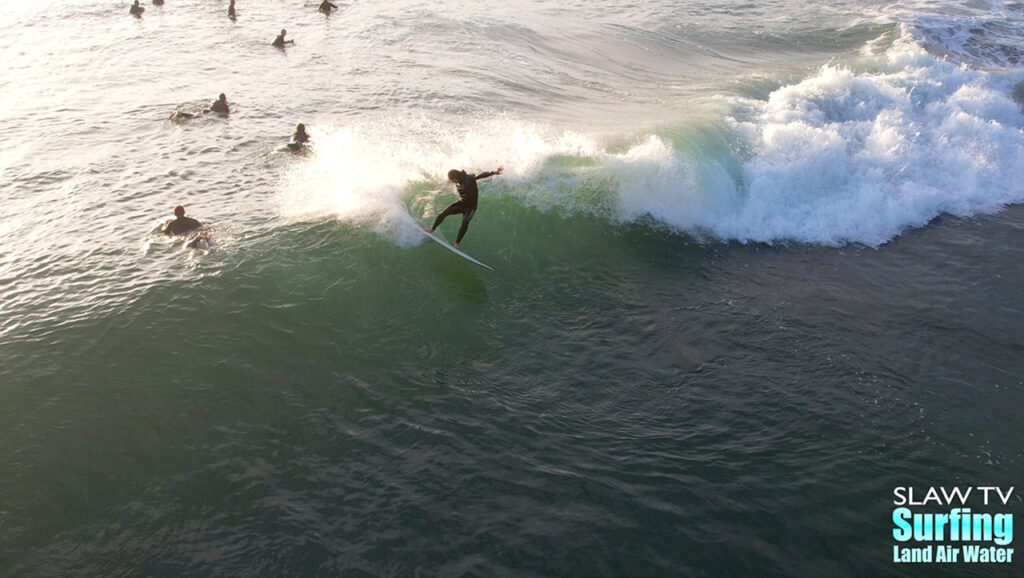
pixel 466 205
pixel 181 225
pixel 219 106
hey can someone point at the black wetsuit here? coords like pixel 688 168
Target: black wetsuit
pixel 466 205
pixel 219 106
pixel 181 225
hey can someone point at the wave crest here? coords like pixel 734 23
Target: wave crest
pixel 843 156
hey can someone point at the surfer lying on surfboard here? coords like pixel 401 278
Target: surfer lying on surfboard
pixel 299 140
pixel 465 185
pixel 180 223
pixel 187 227
pixel 219 106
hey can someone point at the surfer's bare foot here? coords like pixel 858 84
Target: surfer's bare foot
pixel 456 245
pixel 428 229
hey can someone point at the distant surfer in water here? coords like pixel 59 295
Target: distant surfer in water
pixel 300 138
pixel 465 185
pixel 231 10
pixel 158 2
pixel 219 106
pixel 280 41
pixel 180 223
pixel 136 10
pixel 300 135
pixel 326 7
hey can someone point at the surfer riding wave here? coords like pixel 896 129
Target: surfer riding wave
pixel 465 185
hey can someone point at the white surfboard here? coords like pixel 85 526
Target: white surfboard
pixel 444 244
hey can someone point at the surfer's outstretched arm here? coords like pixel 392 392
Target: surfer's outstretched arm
pixel 489 174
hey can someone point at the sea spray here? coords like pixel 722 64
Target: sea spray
pixel 356 176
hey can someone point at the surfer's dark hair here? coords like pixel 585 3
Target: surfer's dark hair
pixel 454 174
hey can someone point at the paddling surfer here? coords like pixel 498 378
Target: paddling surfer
pixel 188 228
pixel 180 224
pixel 220 106
pixel 299 140
pixel 301 136
pixel 465 185
pixel 280 41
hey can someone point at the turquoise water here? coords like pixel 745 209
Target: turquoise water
pixel 755 267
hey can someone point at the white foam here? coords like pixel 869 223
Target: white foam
pixel 356 175
pixel 859 157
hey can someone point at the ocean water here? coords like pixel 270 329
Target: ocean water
pixel 756 265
